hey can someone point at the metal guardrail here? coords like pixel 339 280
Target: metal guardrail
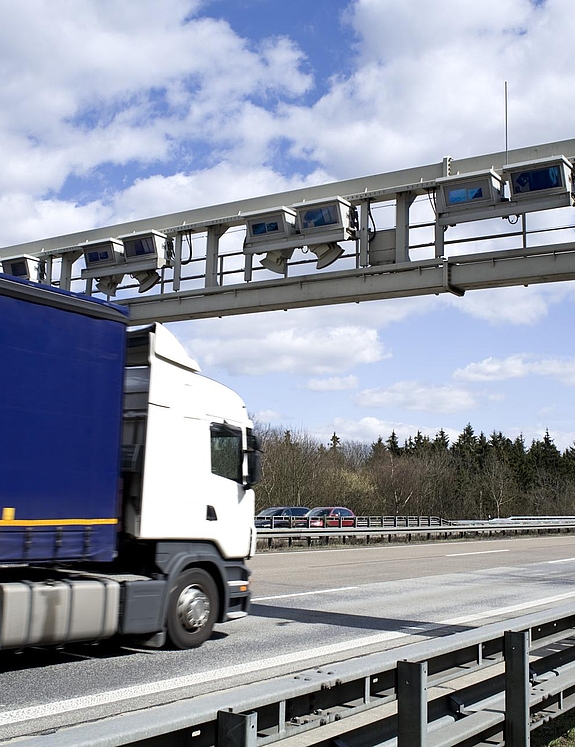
pixel 452 530
pixel 490 685
pixel 281 522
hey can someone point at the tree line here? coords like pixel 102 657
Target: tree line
pixel 474 477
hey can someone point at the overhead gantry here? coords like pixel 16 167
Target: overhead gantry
pixel 448 227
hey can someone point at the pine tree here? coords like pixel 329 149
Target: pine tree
pixel 334 442
pixel 392 444
pixel 441 440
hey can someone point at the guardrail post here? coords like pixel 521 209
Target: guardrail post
pixel 411 704
pixel 237 729
pixel 517 732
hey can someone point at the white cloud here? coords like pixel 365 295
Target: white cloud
pixel 498 306
pixel 134 48
pixel 148 83
pixel 518 366
pixel 23 218
pixel 415 396
pixel 372 316
pixel 167 84
pixel 429 81
pixel 291 350
pixel 225 182
pixel 154 82
pixel 333 384
pixel 267 416
pixel 493 369
pixel 392 31
pixel 561 369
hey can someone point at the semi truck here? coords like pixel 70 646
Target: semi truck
pixel 126 479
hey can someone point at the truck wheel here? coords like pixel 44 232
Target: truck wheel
pixel 192 609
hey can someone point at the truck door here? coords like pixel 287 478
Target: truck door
pixel 230 505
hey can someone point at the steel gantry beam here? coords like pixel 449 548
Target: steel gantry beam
pixel 383 263
pixel 494 270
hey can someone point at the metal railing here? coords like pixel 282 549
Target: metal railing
pixel 381 528
pixel 281 522
pixel 491 685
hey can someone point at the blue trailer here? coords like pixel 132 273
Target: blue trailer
pixel 60 424
pixel 126 501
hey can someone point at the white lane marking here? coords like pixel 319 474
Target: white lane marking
pixel 138 691
pixel 323 550
pixel 304 593
pixel 513 608
pixel 479 552
pixel 352 588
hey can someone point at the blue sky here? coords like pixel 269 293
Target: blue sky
pixel 113 111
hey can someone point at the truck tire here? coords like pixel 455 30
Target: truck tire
pixel 192 608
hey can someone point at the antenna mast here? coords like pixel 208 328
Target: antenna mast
pixel 506 128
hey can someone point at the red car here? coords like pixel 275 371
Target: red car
pixel 330 516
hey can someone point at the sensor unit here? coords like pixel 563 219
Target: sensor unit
pixel 466 197
pixel 24 267
pixel 319 225
pixel 271 225
pixel 541 178
pixel 321 217
pixel 145 246
pixel 269 230
pixel 109 252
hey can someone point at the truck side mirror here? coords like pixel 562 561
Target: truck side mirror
pixel 254 460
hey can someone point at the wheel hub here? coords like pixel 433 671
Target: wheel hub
pixel 193 608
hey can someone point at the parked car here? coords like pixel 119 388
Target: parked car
pixel 279 516
pixel 330 516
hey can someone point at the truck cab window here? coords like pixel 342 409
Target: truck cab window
pixel 226 451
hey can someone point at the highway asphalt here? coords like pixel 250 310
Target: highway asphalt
pixel 310 607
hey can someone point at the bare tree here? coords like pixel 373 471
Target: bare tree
pixel 498 484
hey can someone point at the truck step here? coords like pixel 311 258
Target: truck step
pixel 117 577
